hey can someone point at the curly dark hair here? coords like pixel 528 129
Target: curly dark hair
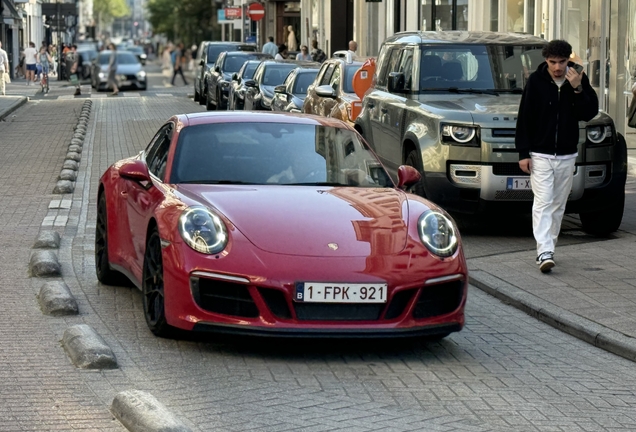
pixel 557 48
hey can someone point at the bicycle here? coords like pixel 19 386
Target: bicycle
pixel 44 83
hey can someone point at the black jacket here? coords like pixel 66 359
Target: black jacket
pixel 548 116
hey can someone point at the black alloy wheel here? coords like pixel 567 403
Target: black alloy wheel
pixel 104 273
pixel 153 288
pixel 413 159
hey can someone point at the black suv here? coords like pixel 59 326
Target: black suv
pixel 208 53
pixel 446 103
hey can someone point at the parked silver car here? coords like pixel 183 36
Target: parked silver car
pixel 446 103
pixel 130 72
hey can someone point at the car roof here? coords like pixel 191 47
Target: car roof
pixel 292 62
pixel 194 119
pixel 248 53
pixel 464 37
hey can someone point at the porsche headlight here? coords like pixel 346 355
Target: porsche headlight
pixel 598 134
pixel 459 134
pixel 438 233
pixel 202 230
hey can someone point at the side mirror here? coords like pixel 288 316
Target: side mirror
pixel 280 89
pixel 407 176
pixel 135 170
pixel 250 83
pixel 325 91
pixel 396 82
pixel 234 76
pixel 201 62
pixel 217 69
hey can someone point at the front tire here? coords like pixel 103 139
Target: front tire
pixel 152 288
pixel 197 96
pixel 607 220
pixel 414 159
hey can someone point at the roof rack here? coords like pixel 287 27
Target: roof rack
pixel 343 54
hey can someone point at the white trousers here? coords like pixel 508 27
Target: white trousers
pixel 551 181
pixel 2 83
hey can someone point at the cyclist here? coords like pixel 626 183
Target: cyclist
pixel 46 61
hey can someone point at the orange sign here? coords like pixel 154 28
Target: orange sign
pixel 363 78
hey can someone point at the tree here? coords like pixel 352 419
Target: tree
pixel 187 21
pixel 107 10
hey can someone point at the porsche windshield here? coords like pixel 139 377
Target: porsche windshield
pixel 498 68
pixel 276 154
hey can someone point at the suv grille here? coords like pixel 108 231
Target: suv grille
pixel 223 297
pixel 439 299
pixel 503 133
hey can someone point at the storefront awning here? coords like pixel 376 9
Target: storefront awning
pixel 12 10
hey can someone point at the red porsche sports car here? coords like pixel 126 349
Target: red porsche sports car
pixel 277 224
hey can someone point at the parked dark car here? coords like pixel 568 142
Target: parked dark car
pixel 236 95
pixel 290 95
pixel 209 53
pixel 87 55
pixel 269 74
pixel 219 79
pixel 130 73
pixel 139 52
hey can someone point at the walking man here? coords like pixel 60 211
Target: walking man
pixel 30 60
pixel 4 69
pixel 270 47
pixel 555 98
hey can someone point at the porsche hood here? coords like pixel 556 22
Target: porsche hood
pixel 308 221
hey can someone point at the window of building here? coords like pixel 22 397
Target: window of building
pixel 440 15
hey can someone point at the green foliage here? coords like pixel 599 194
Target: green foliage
pixel 187 21
pixel 111 8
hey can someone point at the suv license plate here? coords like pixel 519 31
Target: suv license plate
pixel 320 292
pixel 518 183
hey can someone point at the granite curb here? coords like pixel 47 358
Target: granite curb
pixel 568 322
pixel 5 111
pixel 139 411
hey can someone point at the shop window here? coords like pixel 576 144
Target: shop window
pixel 440 15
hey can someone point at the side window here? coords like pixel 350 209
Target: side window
pixel 258 74
pixel 406 67
pixel 389 64
pixel 334 82
pixel 321 72
pixel 326 78
pixel 289 82
pixel 157 157
pixel 220 61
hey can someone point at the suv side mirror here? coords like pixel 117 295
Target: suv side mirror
pixel 234 76
pixel 250 83
pixel 217 69
pixel 407 176
pixel 396 82
pixel 280 89
pixel 201 62
pixel 325 91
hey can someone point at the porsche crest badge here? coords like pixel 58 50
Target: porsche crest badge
pixel 333 246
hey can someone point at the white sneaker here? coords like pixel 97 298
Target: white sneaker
pixel 546 261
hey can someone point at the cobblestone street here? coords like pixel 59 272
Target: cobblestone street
pixel 505 371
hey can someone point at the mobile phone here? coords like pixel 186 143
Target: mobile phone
pixel 577 67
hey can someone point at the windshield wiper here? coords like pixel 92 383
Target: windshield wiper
pixel 216 182
pixel 515 90
pixel 462 90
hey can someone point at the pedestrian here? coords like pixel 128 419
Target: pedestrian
pixel 4 70
pixel 29 59
pixel 304 53
pixel 317 54
pixel 555 98
pixel 179 63
pixel 72 66
pixel 353 47
pixel 45 60
pixel 282 52
pixel 270 47
pixel 292 45
pixel 631 112
pixel 112 70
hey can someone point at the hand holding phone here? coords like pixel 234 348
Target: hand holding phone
pixel 577 67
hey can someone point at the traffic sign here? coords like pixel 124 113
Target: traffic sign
pixel 255 11
pixel 232 13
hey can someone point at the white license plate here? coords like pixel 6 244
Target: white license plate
pixel 341 293
pixel 518 183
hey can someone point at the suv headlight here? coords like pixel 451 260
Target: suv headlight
pixel 460 134
pixel 599 133
pixel 438 233
pixel 202 230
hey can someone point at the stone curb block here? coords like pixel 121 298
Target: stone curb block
pixel 67 174
pixel 70 165
pixel 568 322
pixel 75 148
pixel 77 141
pixel 44 263
pixel 64 187
pixel 73 156
pixel 87 349
pixel 47 240
pixel 55 299
pixel 139 411
pixel 79 135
